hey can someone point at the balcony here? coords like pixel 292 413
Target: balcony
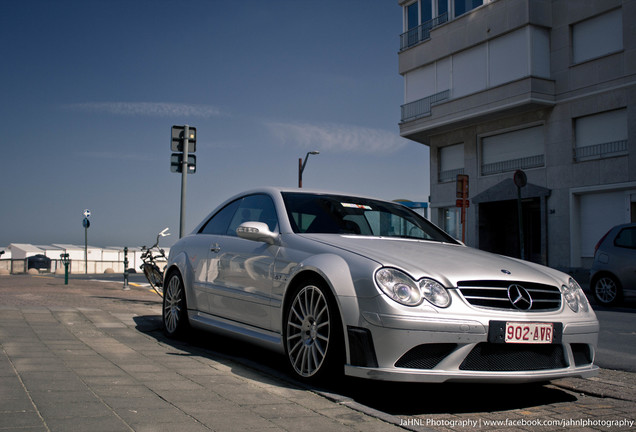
pixel 421 33
pixel 422 107
pixel 449 175
pixel 513 165
pixel 600 151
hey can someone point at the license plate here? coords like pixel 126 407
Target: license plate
pixel 529 333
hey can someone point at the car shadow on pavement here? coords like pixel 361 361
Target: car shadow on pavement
pixel 389 397
pixel 116 299
pixel 407 399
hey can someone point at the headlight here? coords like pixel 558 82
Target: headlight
pixel 435 293
pixel 399 286
pixel 574 296
pixel 404 290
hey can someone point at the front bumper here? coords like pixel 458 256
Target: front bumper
pixel 440 376
pixel 435 349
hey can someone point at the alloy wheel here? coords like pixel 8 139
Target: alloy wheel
pixel 173 305
pixel 308 331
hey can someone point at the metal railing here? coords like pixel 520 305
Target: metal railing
pixel 513 164
pixel 449 175
pixel 422 107
pixel 422 32
pixel 600 151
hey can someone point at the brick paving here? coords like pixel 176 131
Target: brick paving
pixel 90 357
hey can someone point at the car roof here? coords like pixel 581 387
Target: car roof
pixel 277 191
pixel 274 189
pixel 625 225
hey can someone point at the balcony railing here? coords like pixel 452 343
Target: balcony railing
pixel 421 32
pixel 513 164
pixel 449 175
pixel 422 107
pixel 600 151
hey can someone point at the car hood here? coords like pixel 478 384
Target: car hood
pixel 448 263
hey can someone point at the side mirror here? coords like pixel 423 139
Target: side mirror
pixel 256 231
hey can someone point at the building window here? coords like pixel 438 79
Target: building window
pixel 601 135
pixel 412 20
pixel 451 221
pixel 510 151
pixel 420 17
pixel 597 36
pixel 426 8
pixel 451 162
pixel 463 6
pixel 442 7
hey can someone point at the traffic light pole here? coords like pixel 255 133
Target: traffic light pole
pixel 184 179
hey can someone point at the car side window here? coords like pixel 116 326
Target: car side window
pixel 626 238
pixel 221 220
pixel 254 208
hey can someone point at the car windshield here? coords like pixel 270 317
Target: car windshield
pixel 334 214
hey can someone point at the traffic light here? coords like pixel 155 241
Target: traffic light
pixel 176 161
pixel 178 135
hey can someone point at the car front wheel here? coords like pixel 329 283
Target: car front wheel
pixel 174 316
pixel 607 291
pixel 313 341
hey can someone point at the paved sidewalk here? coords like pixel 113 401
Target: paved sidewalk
pixel 91 357
pixel 70 368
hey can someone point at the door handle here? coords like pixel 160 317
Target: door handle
pixel 215 248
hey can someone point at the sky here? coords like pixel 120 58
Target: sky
pixel 90 89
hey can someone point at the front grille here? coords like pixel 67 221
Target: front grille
pixel 494 294
pixel 508 358
pixel 425 356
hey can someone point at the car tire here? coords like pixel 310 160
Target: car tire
pixel 174 312
pixel 607 290
pixel 313 333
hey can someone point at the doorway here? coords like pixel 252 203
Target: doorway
pixel 499 228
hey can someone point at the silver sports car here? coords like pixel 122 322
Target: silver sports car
pixel 344 283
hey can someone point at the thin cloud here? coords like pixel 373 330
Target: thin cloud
pixel 152 109
pixel 116 156
pixel 336 137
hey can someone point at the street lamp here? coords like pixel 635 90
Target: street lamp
pixel 301 166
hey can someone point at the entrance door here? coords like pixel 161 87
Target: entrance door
pixel 499 228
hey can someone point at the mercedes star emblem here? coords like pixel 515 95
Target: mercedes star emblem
pixel 519 297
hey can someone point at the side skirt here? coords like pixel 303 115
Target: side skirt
pixel 264 338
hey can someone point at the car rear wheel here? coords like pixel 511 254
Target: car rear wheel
pixel 313 335
pixel 607 291
pixel 174 316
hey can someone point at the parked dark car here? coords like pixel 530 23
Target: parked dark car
pixel 39 261
pixel 613 274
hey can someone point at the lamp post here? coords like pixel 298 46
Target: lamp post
pixel 301 166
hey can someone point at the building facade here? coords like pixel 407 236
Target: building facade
pixel 542 86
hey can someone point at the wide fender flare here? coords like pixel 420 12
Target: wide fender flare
pixel 181 263
pixel 340 275
pixel 337 273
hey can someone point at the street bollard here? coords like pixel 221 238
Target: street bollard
pixel 126 287
pixel 66 261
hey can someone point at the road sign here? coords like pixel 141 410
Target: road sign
pixel 462 203
pixel 87 213
pixel 86 223
pixel 520 178
pixel 462 186
pixel 176 162
pixel 178 136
